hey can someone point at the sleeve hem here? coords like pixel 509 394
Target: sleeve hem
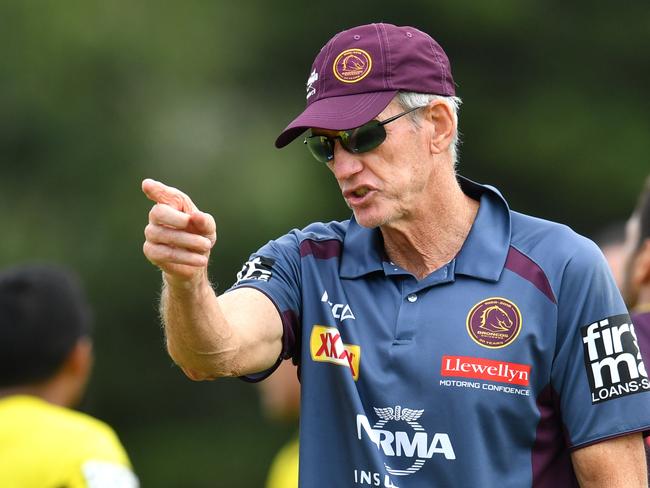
pixel 284 353
pixel 643 430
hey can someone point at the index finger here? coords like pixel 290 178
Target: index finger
pixel 161 193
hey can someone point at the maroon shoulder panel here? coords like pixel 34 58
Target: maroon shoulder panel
pixel 519 263
pixel 321 249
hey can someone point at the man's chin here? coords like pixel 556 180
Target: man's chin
pixel 370 221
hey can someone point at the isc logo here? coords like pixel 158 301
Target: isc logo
pixel 341 311
pixel 612 358
pixel 327 346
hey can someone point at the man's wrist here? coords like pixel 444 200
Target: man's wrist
pixel 181 287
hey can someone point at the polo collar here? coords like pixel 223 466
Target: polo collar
pixel 363 251
pixel 483 255
pixel 485 250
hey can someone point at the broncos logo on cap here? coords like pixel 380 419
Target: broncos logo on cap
pixel 352 65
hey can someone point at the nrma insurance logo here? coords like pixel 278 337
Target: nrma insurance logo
pixel 401 438
pixel 613 360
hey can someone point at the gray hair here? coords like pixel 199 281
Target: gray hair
pixel 409 100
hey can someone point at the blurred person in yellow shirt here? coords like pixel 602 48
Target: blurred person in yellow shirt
pixel 280 396
pixel 45 360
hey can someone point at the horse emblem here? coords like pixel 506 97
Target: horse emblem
pixel 494 322
pixel 494 318
pixel 352 65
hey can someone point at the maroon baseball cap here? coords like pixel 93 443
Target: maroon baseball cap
pixel 359 71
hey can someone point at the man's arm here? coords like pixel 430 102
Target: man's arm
pixel 614 463
pixel 207 336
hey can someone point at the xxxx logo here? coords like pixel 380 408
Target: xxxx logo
pixel 327 346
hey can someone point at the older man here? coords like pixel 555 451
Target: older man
pixel 443 340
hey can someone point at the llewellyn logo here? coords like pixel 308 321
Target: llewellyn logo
pixel 485 369
pixel 612 359
pixel 407 442
pixel 341 311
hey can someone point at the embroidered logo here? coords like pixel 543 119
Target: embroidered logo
pixel 494 322
pixel 313 78
pixel 258 268
pixel 352 65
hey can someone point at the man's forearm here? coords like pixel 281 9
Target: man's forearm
pixel 614 463
pixel 198 336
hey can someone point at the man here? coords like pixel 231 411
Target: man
pixel 443 339
pixel 45 361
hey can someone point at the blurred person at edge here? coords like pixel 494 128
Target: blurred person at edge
pixel 636 260
pixel 45 361
pixel 636 268
pixel 443 339
pixel 280 398
pixel 611 241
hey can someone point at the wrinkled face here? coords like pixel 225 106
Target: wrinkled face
pixel 630 288
pixel 385 185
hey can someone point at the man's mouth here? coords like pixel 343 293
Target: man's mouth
pixel 359 195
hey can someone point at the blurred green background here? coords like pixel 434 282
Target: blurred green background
pixel 95 96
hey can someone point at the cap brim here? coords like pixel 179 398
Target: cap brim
pixel 337 113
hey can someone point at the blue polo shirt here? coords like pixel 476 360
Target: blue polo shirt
pixel 487 372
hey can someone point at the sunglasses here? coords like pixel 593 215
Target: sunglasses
pixel 359 140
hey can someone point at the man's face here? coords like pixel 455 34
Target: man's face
pixel 631 286
pixel 387 184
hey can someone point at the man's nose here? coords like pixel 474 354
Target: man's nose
pixel 345 164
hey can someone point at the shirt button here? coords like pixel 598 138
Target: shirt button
pixel 412 297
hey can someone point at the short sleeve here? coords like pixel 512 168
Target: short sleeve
pixel 275 271
pixel 104 462
pixel 598 371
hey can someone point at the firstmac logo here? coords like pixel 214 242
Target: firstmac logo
pixel 612 359
pixel 341 311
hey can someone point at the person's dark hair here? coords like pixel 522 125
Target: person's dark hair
pixel 43 313
pixel 643 211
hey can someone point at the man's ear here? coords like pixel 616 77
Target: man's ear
pixel 442 117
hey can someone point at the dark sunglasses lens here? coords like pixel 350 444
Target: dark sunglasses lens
pixel 365 138
pixel 321 148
